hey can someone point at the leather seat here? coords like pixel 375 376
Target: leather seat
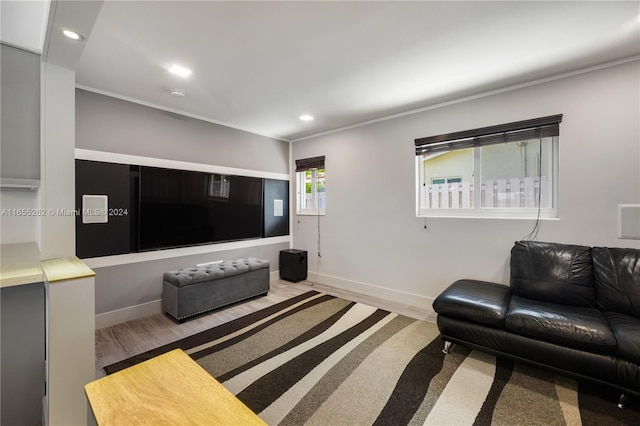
pixel 626 329
pixel 573 309
pixel 477 301
pixel 575 327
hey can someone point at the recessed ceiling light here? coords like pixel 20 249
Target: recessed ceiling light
pixel 178 94
pixel 71 34
pixel 306 117
pixel 181 71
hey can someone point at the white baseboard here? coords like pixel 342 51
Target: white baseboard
pixel 340 284
pixel 129 313
pixel 410 299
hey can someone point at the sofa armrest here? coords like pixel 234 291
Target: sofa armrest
pixel 477 301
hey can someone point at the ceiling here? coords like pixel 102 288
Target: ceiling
pixel 23 22
pixel 258 66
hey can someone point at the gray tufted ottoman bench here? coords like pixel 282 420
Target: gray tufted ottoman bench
pixel 192 291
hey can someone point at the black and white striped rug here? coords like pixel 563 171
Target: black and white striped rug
pixel 318 359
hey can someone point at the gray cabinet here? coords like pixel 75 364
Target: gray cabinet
pixel 22 335
pixel 20 119
pixel 22 357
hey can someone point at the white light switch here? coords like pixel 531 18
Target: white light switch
pixel 95 208
pixel 278 208
pixel 629 221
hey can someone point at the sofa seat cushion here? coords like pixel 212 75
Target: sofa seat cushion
pixel 477 301
pixel 571 326
pixel 626 329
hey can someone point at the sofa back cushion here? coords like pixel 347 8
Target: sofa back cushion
pixel 552 272
pixel 617 279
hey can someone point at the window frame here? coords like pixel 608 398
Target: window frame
pixel 476 139
pixel 490 212
pixel 301 193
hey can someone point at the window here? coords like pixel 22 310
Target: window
pixel 446 180
pixel 508 170
pixel 310 184
pixel 218 187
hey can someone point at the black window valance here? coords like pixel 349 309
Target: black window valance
pixel 310 163
pixel 502 133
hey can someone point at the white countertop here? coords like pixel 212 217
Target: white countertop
pixel 20 264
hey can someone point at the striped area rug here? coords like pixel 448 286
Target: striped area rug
pixel 320 360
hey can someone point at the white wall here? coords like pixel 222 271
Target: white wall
pixel 18 229
pixel 371 240
pixel 58 236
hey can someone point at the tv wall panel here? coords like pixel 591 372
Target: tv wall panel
pixel 169 208
pixel 114 236
pixel 180 208
pixel 276 207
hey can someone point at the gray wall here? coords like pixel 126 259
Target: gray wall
pixel 131 284
pixel 20 124
pixel 371 239
pixel 113 125
pixel 19 140
pixel 108 124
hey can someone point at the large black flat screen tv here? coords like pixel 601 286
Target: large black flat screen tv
pixel 183 208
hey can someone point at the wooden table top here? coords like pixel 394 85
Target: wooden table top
pixel 168 389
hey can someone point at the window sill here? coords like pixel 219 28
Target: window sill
pixel 310 213
pixel 490 214
pixel 503 217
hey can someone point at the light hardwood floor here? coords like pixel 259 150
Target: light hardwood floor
pixel 131 338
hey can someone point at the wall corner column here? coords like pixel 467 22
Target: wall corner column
pixel 70 289
pixel 57 190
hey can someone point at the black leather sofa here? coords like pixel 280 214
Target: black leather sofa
pixel 572 309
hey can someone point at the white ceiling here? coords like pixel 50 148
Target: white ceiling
pixel 22 23
pixel 258 66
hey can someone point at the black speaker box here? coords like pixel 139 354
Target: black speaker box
pixel 293 265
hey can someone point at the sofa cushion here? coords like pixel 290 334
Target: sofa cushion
pixel 617 279
pixel 551 272
pixel 626 329
pixel 477 301
pixel 216 271
pixel 576 327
